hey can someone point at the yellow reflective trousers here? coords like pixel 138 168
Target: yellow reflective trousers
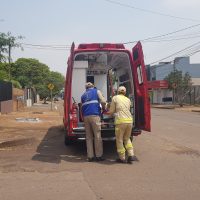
pixel 123 142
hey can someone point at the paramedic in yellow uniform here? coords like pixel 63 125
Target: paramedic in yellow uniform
pixel 120 108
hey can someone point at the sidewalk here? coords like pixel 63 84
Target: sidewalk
pixel 189 108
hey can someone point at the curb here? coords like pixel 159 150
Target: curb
pixel 162 107
pixel 195 110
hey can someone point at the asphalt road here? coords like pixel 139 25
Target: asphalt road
pixel 35 164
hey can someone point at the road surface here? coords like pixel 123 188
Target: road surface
pixel 35 164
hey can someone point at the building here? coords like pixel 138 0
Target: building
pixel 160 71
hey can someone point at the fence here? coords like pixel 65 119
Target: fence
pixel 5 91
pixel 192 96
pixel 6 97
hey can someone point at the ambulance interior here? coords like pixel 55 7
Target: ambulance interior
pixel 107 71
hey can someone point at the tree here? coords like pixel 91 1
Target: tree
pixel 3 47
pixel 31 73
pixel 4 75
pixel 4 71
pixel 180 84
pixel 7 41
pixel 57 80
pixel 16 84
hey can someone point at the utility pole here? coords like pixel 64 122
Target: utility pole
pixel 174 83
pixel 9 59
pixel 51 101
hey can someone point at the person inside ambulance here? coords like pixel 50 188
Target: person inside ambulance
pixel 91 110
pixel 120 108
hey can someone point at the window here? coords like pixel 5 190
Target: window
pixel 139 73
pixel 124 77
pixel 90 79
pixel 135 55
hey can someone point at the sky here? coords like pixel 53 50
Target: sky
pixel 57 24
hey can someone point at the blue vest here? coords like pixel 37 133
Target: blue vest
pixel 90 102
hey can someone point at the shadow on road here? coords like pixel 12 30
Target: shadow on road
pixel 52 149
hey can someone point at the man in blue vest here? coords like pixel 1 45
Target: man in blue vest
pixel 91 110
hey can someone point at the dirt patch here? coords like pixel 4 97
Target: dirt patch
pixel 17 142
pixel 182 150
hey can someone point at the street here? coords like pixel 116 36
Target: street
pixel 35 164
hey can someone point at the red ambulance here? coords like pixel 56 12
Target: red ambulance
pixel 108 66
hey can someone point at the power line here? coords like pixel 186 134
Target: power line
pixel 175 53
pixel 193 51
pixel 48 46
pixel 189 34
pixel 163 35
pixel 169 62
pixel 150 11
pixel 42 48
pixel 197 51
pixel 45 47
pixel 142 40
pixel 175 39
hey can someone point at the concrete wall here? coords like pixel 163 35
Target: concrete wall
pixel 18 99
pixel 15 104
pixel 159 96
pixel 6 106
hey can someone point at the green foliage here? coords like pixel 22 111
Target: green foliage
pixel 57 80
pixel 16 84
pixel 3 75
pixel 179 83
pixel 6 41
pixel 3 47
pixel 31 73
pixel 4 71
pixel 43 91
pixel 27 72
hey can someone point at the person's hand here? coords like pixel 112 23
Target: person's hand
pixel 107 106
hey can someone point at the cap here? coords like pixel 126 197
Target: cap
pixel 89 85
pixel 122 89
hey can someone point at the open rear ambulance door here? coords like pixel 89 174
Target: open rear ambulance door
pixel 68 84
pixel 142 101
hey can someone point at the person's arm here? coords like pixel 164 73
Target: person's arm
pixel 101 99
pixel 112 108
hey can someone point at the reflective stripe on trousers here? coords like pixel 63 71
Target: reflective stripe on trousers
pixel 129 145
pixel 123 120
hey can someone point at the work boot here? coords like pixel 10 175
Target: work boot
pixel 120 161
pixel 131 159
pixel 91 159
pixel 98 159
